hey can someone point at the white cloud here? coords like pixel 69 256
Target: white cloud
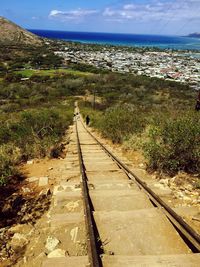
pixel 155 10
pixel 129 7
pixel 75 15
pixel 160 14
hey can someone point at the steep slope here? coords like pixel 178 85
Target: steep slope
pixel 12 34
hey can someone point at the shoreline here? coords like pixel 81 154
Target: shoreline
pixel 155 63
pixel 162 42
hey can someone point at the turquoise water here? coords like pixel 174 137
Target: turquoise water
pixel 133 40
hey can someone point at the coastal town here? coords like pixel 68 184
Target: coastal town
pixel 172 65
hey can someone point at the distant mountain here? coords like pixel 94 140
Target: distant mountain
pixel 194 35
pixel 12 34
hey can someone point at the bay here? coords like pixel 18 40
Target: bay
pixel 132 40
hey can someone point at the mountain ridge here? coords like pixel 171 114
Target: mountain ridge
pixel 194 35
pixel 12 34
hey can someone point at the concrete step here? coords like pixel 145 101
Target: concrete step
pixel 100 166
pixel 139 232
pixel 86 147
pixel 67 187
pixel 185 260
pixel 69 230
pixel 119 185
pixel 97 158
pixel 67 202
pixel 102 159
pixel 57 220
pixel 67 195
pixel 101 175
pixel 119 200
pixel 88 142
pixel 71 175
pixel 81 261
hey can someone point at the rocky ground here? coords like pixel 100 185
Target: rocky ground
pixel 26 202
pixel 23 202
pixel 22 206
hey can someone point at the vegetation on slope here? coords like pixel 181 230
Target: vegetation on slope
pixel 149 114
pixel 174 144
pixel 34 115
pixel 152 115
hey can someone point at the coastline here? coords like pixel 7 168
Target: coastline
pixel 130 40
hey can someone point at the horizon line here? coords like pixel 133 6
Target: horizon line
pixel 108 32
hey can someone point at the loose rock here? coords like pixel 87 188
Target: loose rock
pixel 26 190
pixel 43 181
pixel 32 179
pixel 57 253
pixel 29 162
pixel 18 242
pixel 21 228
pixel 51 243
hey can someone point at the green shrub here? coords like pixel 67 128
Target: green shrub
pixel 121 121
pixel 37 131
pixel 175 145
pixel 31 134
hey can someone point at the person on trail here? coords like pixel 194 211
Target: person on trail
pixel 197 107
pixel 87 119
pixel 74 117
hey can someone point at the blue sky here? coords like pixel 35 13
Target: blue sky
pixel 174 17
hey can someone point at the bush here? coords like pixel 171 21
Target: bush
pixel 121 121
pixel 9 156
pixel 10 107
pixel 175 145
pixel 13 77
pixel 37 131
pixel 31 134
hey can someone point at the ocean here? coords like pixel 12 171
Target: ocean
pixel 133 40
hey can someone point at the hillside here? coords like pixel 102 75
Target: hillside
pixel 20 48
pixel 194 35
pixel 12 34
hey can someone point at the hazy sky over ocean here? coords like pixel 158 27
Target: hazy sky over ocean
pixel 174 17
